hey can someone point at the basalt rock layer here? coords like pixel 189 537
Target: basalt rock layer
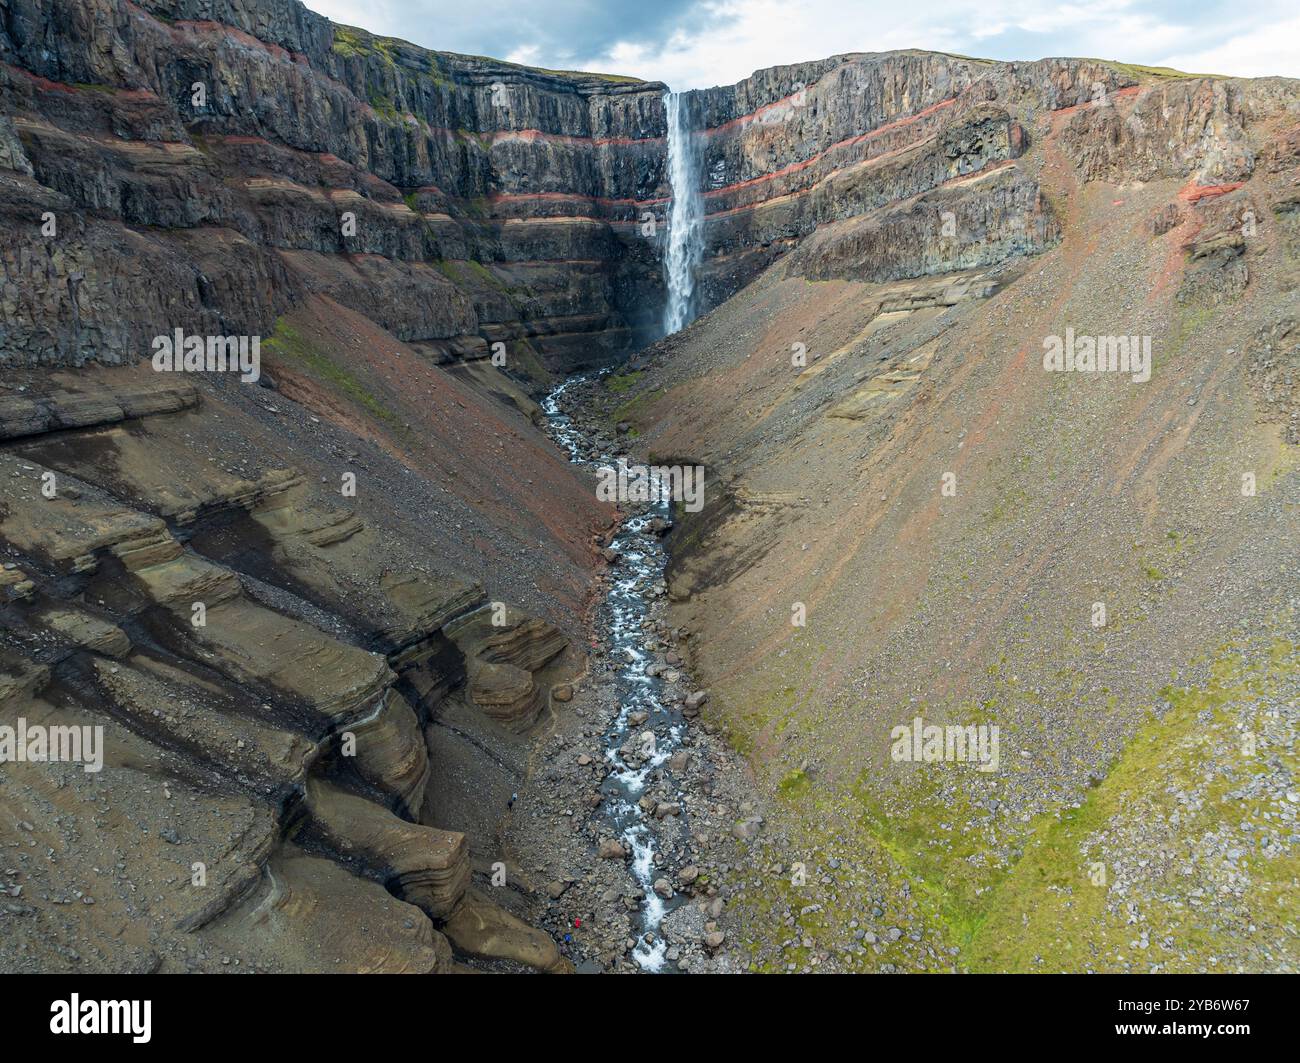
pixel 204 166
pixel 260 657
pixel 184 164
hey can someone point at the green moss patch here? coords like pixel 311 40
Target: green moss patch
pixel 289 344
pixel 1055 911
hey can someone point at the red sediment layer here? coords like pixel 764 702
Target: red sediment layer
pixel 205 26
pixel 1132 90
pixel 73 90
pixel 1194 193
pixel 860 138
pixel 745 119
pixel 1001 164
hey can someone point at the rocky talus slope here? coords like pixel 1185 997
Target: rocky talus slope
pixel 911 517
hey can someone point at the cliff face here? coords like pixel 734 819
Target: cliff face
pixel 209 165
pixel 904 139
pixel 201 161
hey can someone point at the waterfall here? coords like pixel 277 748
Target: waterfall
pixel 685 217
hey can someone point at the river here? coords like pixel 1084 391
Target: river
pixel 625 616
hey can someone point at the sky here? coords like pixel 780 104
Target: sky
pixel 717 42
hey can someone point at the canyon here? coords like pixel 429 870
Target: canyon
pixel 375 660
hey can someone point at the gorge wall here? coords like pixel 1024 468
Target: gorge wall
pixel 491 202
pixel 212 164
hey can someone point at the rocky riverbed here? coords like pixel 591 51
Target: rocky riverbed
pixel 637 814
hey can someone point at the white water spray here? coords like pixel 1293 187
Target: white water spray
pixel 685 217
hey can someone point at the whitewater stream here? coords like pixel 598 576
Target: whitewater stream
pixel 624 616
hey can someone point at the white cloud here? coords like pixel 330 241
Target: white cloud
pixel 764 33
pixel 1263 52
pixel 723 41
pixel 529 55
pixel 373 15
